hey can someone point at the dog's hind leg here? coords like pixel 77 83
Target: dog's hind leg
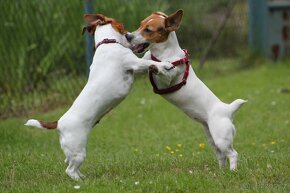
pixel 222 131
pixel 74 147
pixel 74 163
pixel 233 157
pixel 220 156
pixel 67 162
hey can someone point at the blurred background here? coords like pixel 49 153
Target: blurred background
pixel 43 54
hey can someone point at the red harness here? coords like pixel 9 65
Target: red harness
pixel 106 41
pixel 177 86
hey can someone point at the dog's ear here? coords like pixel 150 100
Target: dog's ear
pixel 90 28
pixel 173 21
pixel 93 20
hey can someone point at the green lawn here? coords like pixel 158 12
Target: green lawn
pixel 147 145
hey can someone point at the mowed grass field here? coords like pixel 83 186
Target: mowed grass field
pixel 148 145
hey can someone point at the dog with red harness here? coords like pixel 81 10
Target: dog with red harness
pixel 182 87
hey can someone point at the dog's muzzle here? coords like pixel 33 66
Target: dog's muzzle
pixel 138 48
pixel 129 37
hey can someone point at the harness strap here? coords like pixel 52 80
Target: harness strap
pixel 177 86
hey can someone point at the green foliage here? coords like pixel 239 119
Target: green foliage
pixel 130 12
pixel 41 42
pixel 129 150
pixel 37 39
pixel 200 23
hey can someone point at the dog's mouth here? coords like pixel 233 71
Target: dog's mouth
pixel 139 48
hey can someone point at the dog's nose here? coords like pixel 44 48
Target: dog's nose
pixel 129 37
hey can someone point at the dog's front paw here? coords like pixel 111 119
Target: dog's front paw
pixel 168 66
pixel 153 69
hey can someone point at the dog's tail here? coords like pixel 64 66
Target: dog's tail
pixel 41 124
pixel 235 105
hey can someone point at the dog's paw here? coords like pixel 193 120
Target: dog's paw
pixel 81 175
pixel 73 174
pixel 153 69
pixel 169 66
pixel 165 68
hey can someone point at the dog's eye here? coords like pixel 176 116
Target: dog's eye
pixel 147 30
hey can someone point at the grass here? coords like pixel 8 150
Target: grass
pixel 131 149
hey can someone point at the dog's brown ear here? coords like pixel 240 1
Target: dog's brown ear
pixel 94 19
pixel 173 21
pixel 90 28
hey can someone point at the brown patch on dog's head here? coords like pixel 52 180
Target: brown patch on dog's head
pixel 98 19
pixel 157 26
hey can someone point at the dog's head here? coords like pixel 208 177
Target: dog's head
pixel 154 29
pixel 95 20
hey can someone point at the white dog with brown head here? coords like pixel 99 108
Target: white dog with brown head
pixel 182 87
pixel 110 80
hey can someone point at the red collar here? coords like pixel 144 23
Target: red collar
pixel 106 41
pixel 176 87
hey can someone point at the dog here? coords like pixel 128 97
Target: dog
pixel 109 82
pixel 182 87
